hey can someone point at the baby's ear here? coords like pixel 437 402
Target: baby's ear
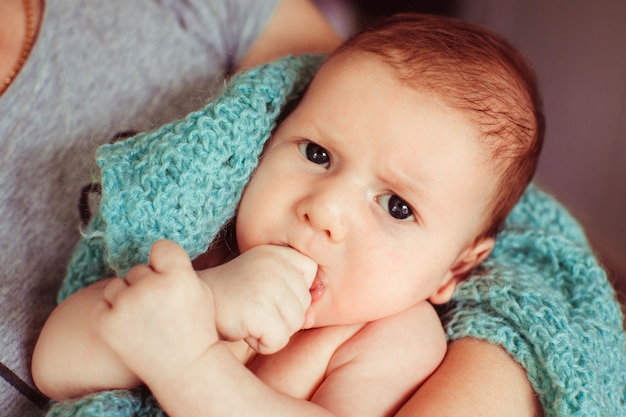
pixel 466 261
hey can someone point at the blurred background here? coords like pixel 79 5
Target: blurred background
pixel 578 49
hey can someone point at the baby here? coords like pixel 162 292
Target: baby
pixel 377 194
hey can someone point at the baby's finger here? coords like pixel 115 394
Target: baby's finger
pixel 308 269
pixel 137 273
pixel 292 312
pixel 309 319
pixel 166 255
pixel 299 291
pixel 253 343
pixel 271 341
pixel 267 331
pixel 113 289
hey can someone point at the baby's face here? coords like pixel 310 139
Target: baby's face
pixel 382 186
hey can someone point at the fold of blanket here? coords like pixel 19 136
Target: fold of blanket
pixel 542 294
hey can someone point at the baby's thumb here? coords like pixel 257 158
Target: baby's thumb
pixel 309 319
pixel 308 267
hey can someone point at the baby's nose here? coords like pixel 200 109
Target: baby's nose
pixel 327 209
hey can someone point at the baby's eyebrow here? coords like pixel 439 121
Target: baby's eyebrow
pixel 402 182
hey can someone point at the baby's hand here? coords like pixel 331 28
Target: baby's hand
pixel 262 296
pixel 161 317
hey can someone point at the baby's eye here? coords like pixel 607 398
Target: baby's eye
pixel 314 153
pixel 397 207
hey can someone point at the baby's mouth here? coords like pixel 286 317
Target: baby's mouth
pixel 318 288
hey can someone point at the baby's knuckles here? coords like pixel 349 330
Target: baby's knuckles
pixel 285 261
pixel 254 290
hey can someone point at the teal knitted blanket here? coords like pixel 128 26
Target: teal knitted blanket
pixel 542 294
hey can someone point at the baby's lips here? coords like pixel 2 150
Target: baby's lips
pixel 318 288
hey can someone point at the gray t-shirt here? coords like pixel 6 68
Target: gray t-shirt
pixel 97 68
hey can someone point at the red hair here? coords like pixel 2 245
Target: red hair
pixel 478 72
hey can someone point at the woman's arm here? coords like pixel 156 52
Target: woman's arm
pixel 296 27
pixel 476 378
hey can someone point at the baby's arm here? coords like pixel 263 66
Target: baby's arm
pixel 70 358
pixel 158 325
pixel 263 296
pixel 370 375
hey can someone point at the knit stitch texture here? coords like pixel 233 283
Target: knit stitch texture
pixel 541 295
pixel 183 181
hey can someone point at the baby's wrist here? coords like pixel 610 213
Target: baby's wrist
pixel 206 276
pixel 210 367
